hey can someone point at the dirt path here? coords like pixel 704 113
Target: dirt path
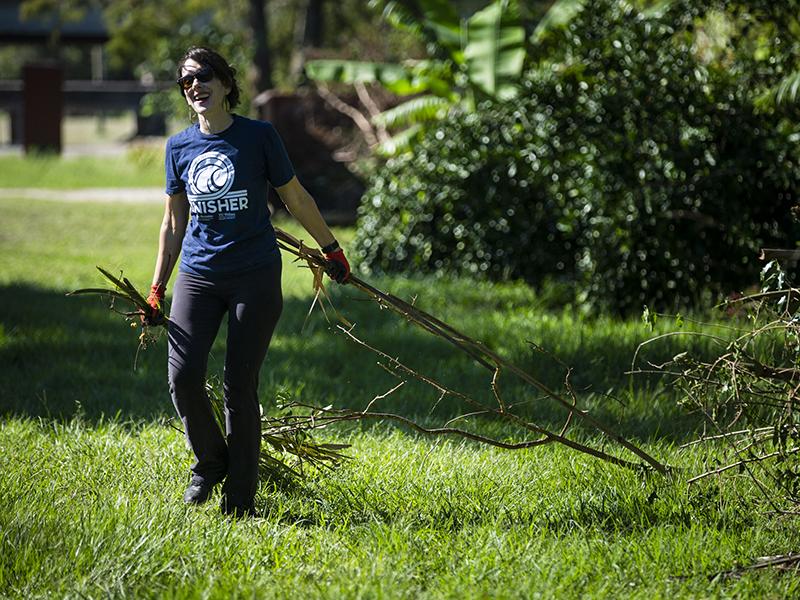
pixel 149 195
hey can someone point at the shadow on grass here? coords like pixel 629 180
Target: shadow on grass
pixel 65 355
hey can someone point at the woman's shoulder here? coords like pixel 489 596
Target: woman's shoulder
pixel 182 137
pixel 255 124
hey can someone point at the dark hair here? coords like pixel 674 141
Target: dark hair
pixel 222 70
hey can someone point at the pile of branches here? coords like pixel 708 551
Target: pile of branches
pixel 749 390
pixel 288 446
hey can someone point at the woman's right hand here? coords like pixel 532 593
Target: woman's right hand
pixel 154 316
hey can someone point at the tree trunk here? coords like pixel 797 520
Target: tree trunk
pixel 314 30
pixel 261 60
pixel 308 33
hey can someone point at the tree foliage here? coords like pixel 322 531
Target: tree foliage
pixel 155 36
pixel 469 59
pixel 630 168
pixel 148 38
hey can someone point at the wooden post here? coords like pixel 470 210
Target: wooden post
pixel 43 107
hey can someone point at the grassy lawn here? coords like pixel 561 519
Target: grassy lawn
pixel 91 472
pixel 139 166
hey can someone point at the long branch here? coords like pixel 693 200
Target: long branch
pixel 548 435
pixel 724 435
pixel 477 350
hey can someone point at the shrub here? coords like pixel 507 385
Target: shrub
pixel 627 167
pixel 467 201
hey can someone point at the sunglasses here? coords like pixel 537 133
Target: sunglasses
pixel 203 75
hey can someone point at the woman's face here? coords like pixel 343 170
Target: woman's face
pixel 204 97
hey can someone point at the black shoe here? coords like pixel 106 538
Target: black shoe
pixel 237 511
pixel 198 491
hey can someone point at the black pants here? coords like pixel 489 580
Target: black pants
pixel 253 303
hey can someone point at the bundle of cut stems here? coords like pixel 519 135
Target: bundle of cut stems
pixel 123 290
pixel 287 443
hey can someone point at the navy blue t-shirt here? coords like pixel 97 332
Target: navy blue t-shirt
pixel 226 177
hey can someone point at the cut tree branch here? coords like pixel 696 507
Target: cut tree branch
pixel 741 463
pixel 481 354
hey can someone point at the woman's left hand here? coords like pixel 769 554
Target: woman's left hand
pixel 337 268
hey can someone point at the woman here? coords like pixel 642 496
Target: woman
pixel 218 173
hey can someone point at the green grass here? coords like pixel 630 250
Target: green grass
pixel 139 166
pixel 91 473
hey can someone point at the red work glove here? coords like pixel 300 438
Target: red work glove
pixel 154 316
pixel 337 268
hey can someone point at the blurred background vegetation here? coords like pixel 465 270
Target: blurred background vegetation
pixel 613 153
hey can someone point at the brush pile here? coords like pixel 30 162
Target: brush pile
pixel 288 447
pixel 749 391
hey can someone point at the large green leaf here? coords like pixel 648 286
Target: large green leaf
pixel 393 77
pixel 788 90
pixel 436 20
pixel 416 110
pixel 442 19
pixel 434 76
pixel 495 49
pixel 441 12
pixel 658 9
pixel 399 142
pixel 559 14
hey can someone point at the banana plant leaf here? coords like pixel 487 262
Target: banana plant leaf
pixel 495 50
pixel 558 15
pixel 393 77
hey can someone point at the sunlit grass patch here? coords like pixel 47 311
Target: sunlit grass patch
pixel 92 473
pixel 138 167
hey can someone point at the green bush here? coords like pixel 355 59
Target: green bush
pixel 466 201
pixel 627 167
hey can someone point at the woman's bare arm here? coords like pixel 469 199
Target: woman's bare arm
pixel 173 228
pixel 305 210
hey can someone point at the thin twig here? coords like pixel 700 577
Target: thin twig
pixel 730 434
pixel 741 463
pixel 384 395
pixel 785 561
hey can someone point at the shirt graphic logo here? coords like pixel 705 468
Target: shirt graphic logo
pixel 210 176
